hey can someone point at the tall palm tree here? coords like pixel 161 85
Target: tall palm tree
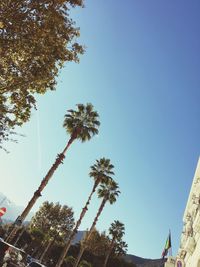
pixel 81 124
pixel 109 193
pixel 101 172
pixel 121 248
pixel 116 230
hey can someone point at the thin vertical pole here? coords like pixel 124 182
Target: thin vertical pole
pixel 170 250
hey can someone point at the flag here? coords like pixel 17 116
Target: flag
pixel 168 245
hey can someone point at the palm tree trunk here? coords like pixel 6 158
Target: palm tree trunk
pixel 37 251
pixel 79 256
pixel 34 252
pixel 90 232
pixel 38 192
pixel 78 223
pixel 109 252
pixel 46 249
pixel 20 235
pixel 97 217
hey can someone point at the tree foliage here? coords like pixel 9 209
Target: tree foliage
pixel 102 171
pixel 32 241
pixel 98 243
pixel 116 246
pixel 36 39
pixel 109 192
pixel 53 220
pixel 82 123
pixel 70 261
pixel 84 263
pixel 116 231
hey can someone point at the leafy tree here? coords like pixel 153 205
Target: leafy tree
pixel 98 246
pixel 20 233
pixel 6 133
pixel 82 124
pixel 101 172
pixel 109 193
pixel 36 243
pixel 54 221
pixel 26 239
pixel 96 259
pixel 116 231
pixel 98 243
pixel 36 39
pixel 70 261
pixel 121 248
pixel 85 264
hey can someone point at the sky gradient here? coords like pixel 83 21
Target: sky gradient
pixel 141 72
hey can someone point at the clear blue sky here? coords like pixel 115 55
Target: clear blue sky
pixel 141 72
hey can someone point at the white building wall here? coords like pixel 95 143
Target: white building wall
pixel 189 251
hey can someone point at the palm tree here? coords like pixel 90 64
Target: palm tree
pixel 109 193
pixel 116 230
pixel 81 124
pixel 121 248
pixel 101 172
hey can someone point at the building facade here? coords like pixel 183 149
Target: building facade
pixel 189 250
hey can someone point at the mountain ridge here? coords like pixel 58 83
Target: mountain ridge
pixel 144 262
pixel 12 210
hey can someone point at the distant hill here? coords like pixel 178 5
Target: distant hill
pixel 78 237
pixel 142 262
pixel 13 211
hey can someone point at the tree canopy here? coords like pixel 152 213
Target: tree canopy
pixel 98 243
pixel 53 220
pixel 102 170
pixel 116 231
pixel 82 123
pixel 36 39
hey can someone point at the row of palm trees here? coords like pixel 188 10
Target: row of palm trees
pixel 81 124
pixel 102 173
pixel 108 192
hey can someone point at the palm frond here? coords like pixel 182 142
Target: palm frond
pixel 82 123
pixel 109 191
pixel 117 230
pixel 101 171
